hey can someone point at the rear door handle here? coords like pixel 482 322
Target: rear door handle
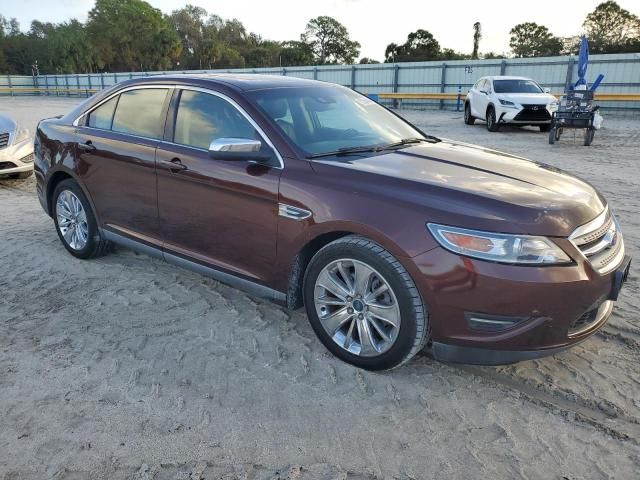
pixel 175 165
pixel 87 146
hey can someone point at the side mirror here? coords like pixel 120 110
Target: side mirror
pixel 236 149
pixel 547 90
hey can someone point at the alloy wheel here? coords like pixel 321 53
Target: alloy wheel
pixel 72 220
pixel 357 307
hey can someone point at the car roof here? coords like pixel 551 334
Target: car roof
pixel 506 77
pixel 238 81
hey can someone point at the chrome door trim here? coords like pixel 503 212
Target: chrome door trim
pixel 184 87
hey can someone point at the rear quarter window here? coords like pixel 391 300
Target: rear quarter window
pixel 102 116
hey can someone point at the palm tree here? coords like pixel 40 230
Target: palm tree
pixel 477 35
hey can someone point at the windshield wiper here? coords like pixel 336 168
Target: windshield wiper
pixel 375 148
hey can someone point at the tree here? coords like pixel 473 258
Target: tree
pixel 329 41
pixel 420 46
pixel 132 35
pixel 532 40
pixel 294 53
pixel 367 60
pixel 612 29
pixel 477 35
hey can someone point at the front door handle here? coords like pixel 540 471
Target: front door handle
pixel 175 165
pixel 87 146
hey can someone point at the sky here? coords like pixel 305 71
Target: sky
pixel 373 23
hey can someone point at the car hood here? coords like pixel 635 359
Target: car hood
pixel 528 98
pixel 475 187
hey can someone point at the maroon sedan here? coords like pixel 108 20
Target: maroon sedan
pixel 313 195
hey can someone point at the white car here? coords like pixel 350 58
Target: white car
pixel 503 100
pixel 16 149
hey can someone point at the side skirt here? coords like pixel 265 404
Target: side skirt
pixel 240 283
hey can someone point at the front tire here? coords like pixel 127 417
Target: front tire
pixel 492 124
pixel 363 305
pixel 75 223
pixel 468 118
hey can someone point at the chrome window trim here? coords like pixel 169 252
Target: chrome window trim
pixel 242 111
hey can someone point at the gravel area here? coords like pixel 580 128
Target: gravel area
pixel 127 367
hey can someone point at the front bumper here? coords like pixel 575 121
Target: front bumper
pixel 16 158
pixel 550 308
pixel 519 116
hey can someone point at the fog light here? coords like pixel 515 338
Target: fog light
pixel 491 323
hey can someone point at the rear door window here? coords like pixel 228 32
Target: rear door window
pixel 102 116
pixel 140 112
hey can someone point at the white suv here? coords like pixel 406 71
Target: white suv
pixel 16 149
pixel 514 100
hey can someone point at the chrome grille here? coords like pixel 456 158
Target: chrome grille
pixel 4 139
pixel 600 241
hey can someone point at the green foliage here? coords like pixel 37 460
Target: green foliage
pixel 329 41
pixel 612 29
pixel 532 40
pixel 421 46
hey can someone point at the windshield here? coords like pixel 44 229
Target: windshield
pixel 516 86
pixel 329 119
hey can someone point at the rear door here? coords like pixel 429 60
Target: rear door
pixel 217 212
pixel 116 149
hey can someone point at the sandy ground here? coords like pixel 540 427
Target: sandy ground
pixel 127 367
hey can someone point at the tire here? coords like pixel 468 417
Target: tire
pixel 558 133
pixel 94 245
pixel 553 136
pixel 409 332
pixel 589 133
pixel 468 118
pixel 545 128
pixel 492 124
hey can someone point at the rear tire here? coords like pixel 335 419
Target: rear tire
pixel 468 118
pixel 589 133
pixel 492 124
pixel 344 316
pixel 76 226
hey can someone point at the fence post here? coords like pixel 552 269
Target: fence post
pixel 443 79
pixel 46 84
pixel 396 74
pixel 66 82
pixel 55 78
pixel 353 77
pixel 459 98
pixel 284 72
pixel 503 67
pixel 89 83
pixel 78 83
pixel 315 73
pixel 9 83
pixel 569 80
pixel 101 80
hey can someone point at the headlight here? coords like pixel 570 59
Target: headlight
pixel 22 134
pixel 499 247
pixel 507 103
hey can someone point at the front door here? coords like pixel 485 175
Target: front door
pixel 221 213
pixel 116 148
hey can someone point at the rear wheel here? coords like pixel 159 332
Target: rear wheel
pixel 468 118
pixel 363 305
pixel 588 136
pixel 492 124
pixel 75 222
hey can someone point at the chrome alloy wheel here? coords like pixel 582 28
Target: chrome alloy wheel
pixel 72 220
pixel 357 307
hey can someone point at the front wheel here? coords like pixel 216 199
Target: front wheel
pixel 588 136
pixel 553 136
pixel 468 118
pixel 75 222
pixel 363 305
pixel 492 124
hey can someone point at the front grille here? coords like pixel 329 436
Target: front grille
pixel 27 159
pixel 4 139
pixel 533 113
pixel 600 241
pixel 7 165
